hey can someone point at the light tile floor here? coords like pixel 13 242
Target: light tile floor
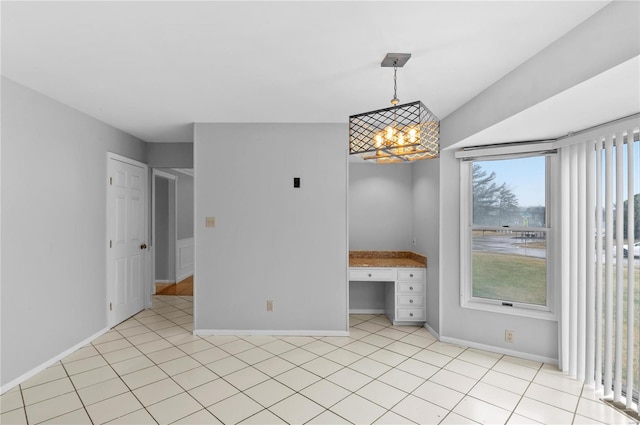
pixel 151 369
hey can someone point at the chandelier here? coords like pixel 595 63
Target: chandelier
pixel 400 133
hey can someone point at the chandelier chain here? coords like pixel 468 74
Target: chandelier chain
pixel 395 99
pixel 395 82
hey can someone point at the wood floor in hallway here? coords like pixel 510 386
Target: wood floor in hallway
pixel 184 287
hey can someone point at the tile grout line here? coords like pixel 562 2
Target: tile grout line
pixel 125 384
pixel 522 396
pixel 24 404
pixel 84 407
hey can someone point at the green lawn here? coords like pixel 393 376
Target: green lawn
pixel 509 277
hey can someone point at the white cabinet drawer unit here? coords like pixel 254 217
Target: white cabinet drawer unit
pixel 405 291
pixel 410 296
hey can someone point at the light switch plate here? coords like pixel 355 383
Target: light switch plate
pixel 210 222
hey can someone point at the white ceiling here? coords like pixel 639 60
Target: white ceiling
pixel 153 68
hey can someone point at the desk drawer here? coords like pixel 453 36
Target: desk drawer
pixel 411 274
pixel 411 315
pixel 410 287
pixel 410 300
pixel 364 274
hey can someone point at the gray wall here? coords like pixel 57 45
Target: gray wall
pixel 170 155
pixel 380 214
pixel 426 229
pixel 161 240
pixel 53 276
pixel 186 202
pixel 185 206
pixel 271 241
pixel 380 219
pixel 603 41
pixel 366 296
pixel 533 336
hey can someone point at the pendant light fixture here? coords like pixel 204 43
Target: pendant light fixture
pixel 400 133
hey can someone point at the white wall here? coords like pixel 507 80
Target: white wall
pixel 380 199
pixel 271 241
pixel 54 178
pixel 426 230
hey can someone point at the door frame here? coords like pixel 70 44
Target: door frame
pixel 110 290
pixel 162 174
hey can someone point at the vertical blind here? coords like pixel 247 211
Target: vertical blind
pixel 599 325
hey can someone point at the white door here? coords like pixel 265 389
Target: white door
pixel 126 239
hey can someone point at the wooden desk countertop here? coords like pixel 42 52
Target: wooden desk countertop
pixel 386 259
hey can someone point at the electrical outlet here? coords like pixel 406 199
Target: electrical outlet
pixel 210 222
pixel 269 305
pixel 508 336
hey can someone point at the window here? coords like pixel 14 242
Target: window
pixel 507 235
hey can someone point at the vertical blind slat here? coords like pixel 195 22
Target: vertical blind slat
pixel 608 284
pixel 564 253
pixel 630 267
pixel 599 252
pixel 573 265
pixel 591 265
pixel 582 268
pixel 617 379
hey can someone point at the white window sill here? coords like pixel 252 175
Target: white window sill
pixel 515 310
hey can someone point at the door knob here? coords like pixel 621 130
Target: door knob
pixel 143 246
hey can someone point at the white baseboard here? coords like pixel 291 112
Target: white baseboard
pixel 432 331
pixel 183 277
pixel 500 350
pixel 366 311
pixel 166 281
pixel 213 332
pixel 20 379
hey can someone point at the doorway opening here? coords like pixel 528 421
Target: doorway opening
pixel 173 242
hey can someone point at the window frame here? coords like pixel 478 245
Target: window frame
pixel 467 300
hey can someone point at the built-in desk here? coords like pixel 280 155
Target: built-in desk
pixel 404 275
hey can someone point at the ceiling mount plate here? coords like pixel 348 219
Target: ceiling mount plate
pixel 391 58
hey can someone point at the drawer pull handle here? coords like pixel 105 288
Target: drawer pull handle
pixel 411 301
pixel 369 274
pixel 411 288
pixel 411 314
pixel 411 275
